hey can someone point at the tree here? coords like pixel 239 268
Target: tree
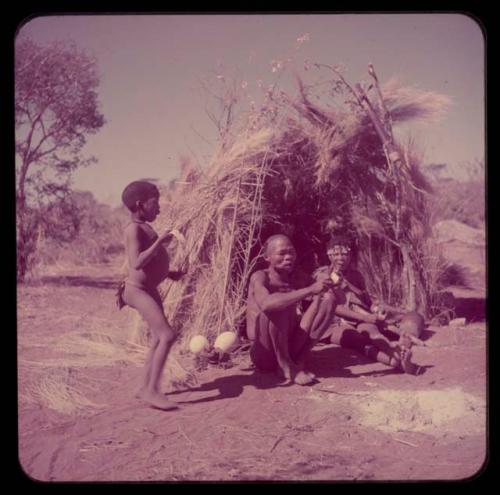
pixel 56 107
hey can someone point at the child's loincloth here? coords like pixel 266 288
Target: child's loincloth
pixel 119 295
pixel 120 302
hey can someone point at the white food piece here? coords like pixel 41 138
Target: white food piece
pixel 178 235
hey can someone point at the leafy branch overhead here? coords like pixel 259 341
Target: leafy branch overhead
pixel 56 107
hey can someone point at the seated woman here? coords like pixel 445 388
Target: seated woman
pixel 361 325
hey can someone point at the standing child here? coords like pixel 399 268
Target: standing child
pixel 148 265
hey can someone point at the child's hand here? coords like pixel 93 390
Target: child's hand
pixel 176 275
pixel 166 237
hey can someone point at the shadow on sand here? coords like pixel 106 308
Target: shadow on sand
pixel 232 386
pixel 78 281
pixel 327 362
pixel 471 308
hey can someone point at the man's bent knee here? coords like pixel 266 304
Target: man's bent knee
pixel 278 319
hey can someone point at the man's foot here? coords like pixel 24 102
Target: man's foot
pixel 285 375
pixel 303 378
pixel 158 401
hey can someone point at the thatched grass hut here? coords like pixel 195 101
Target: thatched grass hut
pixel 308 171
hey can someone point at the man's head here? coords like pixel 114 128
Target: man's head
pixel 142 197
pixel 280 253
pixel 339 253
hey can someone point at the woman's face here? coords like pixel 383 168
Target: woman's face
pixel 340 257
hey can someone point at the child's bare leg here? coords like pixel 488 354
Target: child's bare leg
pixel 371 331
pixel 376 354
pixel 165 341
pixel 348 337
pixel 163 338
pixel 147 366
pixel 400 358
pixel 405 353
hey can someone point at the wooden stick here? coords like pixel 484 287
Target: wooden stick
pixel 387 115
pixel 228 268
pixel 405 442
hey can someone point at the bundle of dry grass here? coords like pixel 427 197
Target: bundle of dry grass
pixel 307 171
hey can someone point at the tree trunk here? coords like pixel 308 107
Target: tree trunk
pixel 24 233
pixel 408 278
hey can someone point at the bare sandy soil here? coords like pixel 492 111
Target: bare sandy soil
pixel 79 421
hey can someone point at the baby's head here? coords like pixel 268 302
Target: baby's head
pixel 137 193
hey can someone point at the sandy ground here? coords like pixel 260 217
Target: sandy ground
pixel 79 421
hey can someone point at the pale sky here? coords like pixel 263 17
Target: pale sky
pixel 151 66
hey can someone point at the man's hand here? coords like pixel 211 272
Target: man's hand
pixel 321 285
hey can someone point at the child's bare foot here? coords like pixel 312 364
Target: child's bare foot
pixel 303 378
pixel 158 400
pixel 405 361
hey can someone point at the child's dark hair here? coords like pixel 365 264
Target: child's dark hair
pixel 138 190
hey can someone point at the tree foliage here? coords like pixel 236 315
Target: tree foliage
pixel 56 108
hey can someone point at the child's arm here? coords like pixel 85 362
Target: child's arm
pixel 357 286
pixel 138 259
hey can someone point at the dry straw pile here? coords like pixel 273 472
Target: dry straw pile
pixel 309 171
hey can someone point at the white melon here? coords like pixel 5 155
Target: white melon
pixel 198 344
pixel 225 342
